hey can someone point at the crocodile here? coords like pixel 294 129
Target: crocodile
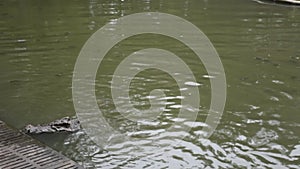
pixel 64 124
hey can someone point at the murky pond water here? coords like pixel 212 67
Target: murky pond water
pixel 259 45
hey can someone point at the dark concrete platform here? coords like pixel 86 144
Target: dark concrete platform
pixel 20 151
pixel 292 2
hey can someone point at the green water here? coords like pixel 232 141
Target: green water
pixel 259 45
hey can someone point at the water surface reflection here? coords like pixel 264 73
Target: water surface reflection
pixel 259 48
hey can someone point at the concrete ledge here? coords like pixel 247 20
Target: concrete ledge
pixel 18 150
pixel 296 2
